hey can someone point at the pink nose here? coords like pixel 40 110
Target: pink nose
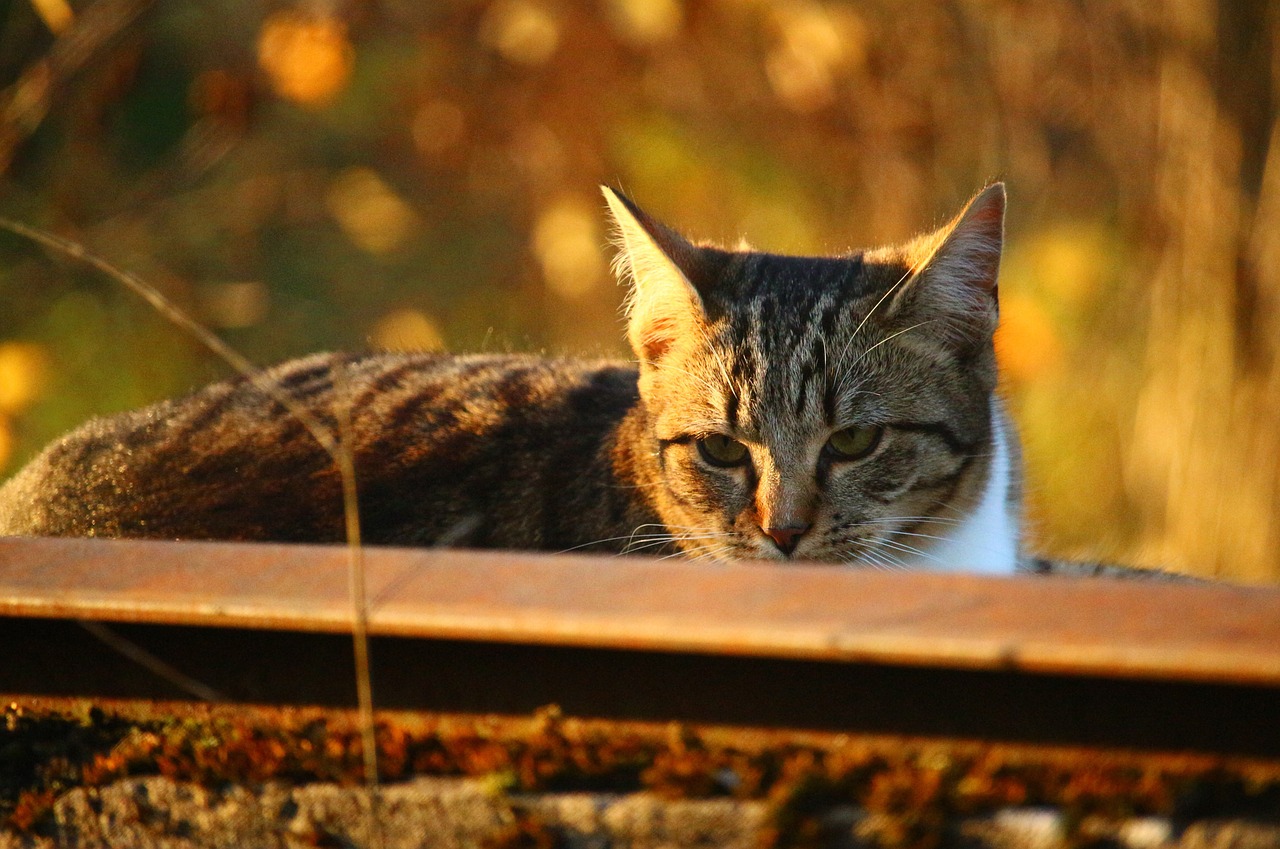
pixel 786 538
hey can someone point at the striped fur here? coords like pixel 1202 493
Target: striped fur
pixel 775 354
pixel 481 450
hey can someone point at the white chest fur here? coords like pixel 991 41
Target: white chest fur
pixel 987 540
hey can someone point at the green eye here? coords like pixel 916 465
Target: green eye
pixel 854 443
pixel 720 450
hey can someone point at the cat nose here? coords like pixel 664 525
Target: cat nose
pixel 786 538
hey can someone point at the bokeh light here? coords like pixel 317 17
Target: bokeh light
pixel 522 31
pixel 23 371
pixel 566 240
pixel 308 58
pixel 406 329
pixel 372 215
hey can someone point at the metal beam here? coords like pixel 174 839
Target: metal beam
pixel 1073 661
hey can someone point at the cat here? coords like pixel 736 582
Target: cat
pixel 781 408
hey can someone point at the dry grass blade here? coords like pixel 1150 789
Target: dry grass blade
pixel 337 447
pixel 184 322
pixel 359 601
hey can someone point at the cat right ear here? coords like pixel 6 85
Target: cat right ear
pixel 660 268
pixel 954 272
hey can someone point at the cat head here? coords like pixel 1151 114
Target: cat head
pixel 834 409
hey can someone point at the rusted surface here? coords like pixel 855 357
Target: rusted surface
pixel 1084 627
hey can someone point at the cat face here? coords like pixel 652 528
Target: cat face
pixel 831 409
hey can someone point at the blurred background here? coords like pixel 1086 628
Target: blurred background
pixel 418 175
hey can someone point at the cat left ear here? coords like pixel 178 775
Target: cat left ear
pixel 955 271
pixel 660 267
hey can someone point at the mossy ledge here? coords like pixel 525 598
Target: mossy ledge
pixel 184 774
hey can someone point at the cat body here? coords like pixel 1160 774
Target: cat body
pixel 486 450
pixel 781 408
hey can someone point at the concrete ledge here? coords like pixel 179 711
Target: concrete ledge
pixel 444 813
pixel 157 813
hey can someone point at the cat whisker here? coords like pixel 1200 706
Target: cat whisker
pixel 713 553
pixel 693 552
pixel 640 547
pixel 638 528
pixel 910 273
pixel 908 549
pixel 876 554
pixel 638 541
pixel 867 560
pixel 657 542
pixel 687 528
pixel 856 561
pixel 632 545
pixel 890 338
pixel 707 534
pixel 876 547
pixel 664 537
pixel 943 520
pixel 889 562
pixel 844 352
pixel 915 534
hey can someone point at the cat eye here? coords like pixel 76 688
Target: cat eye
pixel 721 450
pixel 854 443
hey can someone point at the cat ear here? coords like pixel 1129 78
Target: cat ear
pixel 953 282
pixel 660 267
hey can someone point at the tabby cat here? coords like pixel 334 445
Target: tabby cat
pixel 782 408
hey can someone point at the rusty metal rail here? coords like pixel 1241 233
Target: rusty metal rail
pixel 1082 661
